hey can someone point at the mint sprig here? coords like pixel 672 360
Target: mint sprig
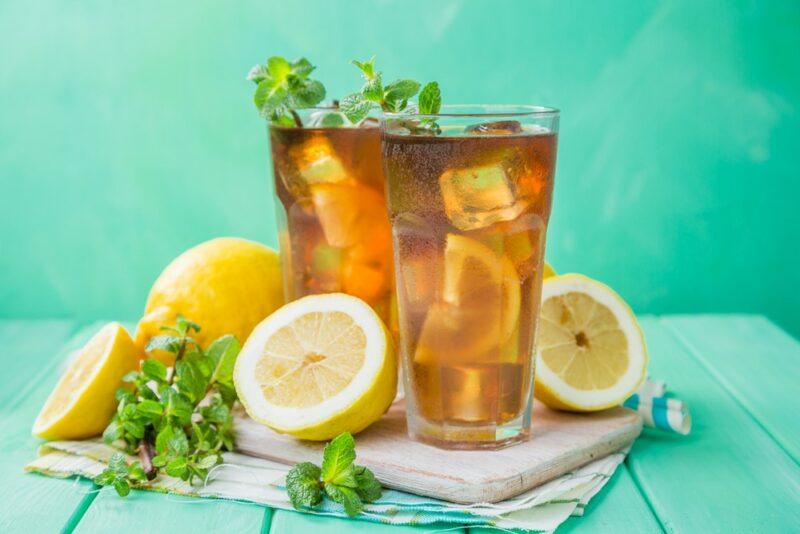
pixel 283 87
pixel 391 98
pixel 339 478
pixel 178 420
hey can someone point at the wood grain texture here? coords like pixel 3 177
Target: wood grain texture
pixel 284 522
pixel 144 511
pixel 728 475
pixel 560 443
pixel 755 361
pixel 31 503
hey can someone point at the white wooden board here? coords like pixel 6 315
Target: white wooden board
pixel 560 442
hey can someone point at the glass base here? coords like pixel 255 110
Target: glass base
pixel 467 437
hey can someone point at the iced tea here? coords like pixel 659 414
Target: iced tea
pixel 335 234
pixel 469 210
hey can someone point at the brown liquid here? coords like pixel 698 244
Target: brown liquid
pixel 335 234
pixel 469 216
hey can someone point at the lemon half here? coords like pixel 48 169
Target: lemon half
pixel 317 367
pixel 592 353
pixel 82 403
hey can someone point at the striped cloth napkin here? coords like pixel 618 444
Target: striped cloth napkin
pixel 245 478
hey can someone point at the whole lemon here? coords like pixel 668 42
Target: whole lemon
pixel 227 286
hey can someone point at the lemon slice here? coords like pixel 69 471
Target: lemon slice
pixel 479 309
pixel 82 403
pixel 317 367
pixel 592 353
pixel 548 271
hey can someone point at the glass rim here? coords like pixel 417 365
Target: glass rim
pixel 480 111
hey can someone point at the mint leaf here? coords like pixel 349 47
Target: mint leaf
pixel 373 90
pixel 122 488
pixel 307 95
pixel 258 73
pixel 223 353
pixel 332 120
pixel 347 497
pixel 430 99
pixel 177 467
pixel 303 486
pixel 355 107
pixel 338 457
pixel 208 461
pixel 284 86
pixel 302 67
pixel 368 487
pixel 177 408
pixel 169 343
pixel 367 68
pixel 154 370
pixel 185 326
pixel 401 90
pixel 278 68
pixel 149 408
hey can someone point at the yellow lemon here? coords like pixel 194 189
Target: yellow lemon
pixel 317 367
pixel 548 271
pixel 226 285
pixel 592 353
pixel 82 403
pixel 480 305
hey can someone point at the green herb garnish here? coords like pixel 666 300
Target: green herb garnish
pixel 339 478
pixel 177 420
pixel 391 98
pixel 283 87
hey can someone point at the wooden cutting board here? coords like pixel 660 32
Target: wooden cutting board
pixel 560 442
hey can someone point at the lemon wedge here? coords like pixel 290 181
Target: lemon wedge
pixel 479 309
pixel 82 403
pixel 317 367
pixel 592 353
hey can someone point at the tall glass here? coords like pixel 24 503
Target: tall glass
pixel 334 230
pixel 469 208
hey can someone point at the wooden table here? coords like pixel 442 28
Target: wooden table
pixel 737 472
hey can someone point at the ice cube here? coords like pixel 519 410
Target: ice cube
pixel 477 197
pixel 494 128
pixel 317 162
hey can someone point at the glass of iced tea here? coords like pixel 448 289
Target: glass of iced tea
pixel 334 230
pixel 469 193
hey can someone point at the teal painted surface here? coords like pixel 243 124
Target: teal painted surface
pixel 127 135
pixel 732 474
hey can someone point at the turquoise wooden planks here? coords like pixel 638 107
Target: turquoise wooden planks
pixel 27 346
pixel 755 361
pixel 728 475
pixel 618 509
pixel 32 503
pixel 284 522
pixel 145 511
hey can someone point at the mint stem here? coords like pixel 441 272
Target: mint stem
pixel 146 454
pixel 296 118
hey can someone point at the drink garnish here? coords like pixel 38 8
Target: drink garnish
pixel 283 87
pixel 339 478
pixel 391 98
pixel 178 421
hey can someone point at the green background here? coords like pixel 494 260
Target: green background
pixel 127 134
